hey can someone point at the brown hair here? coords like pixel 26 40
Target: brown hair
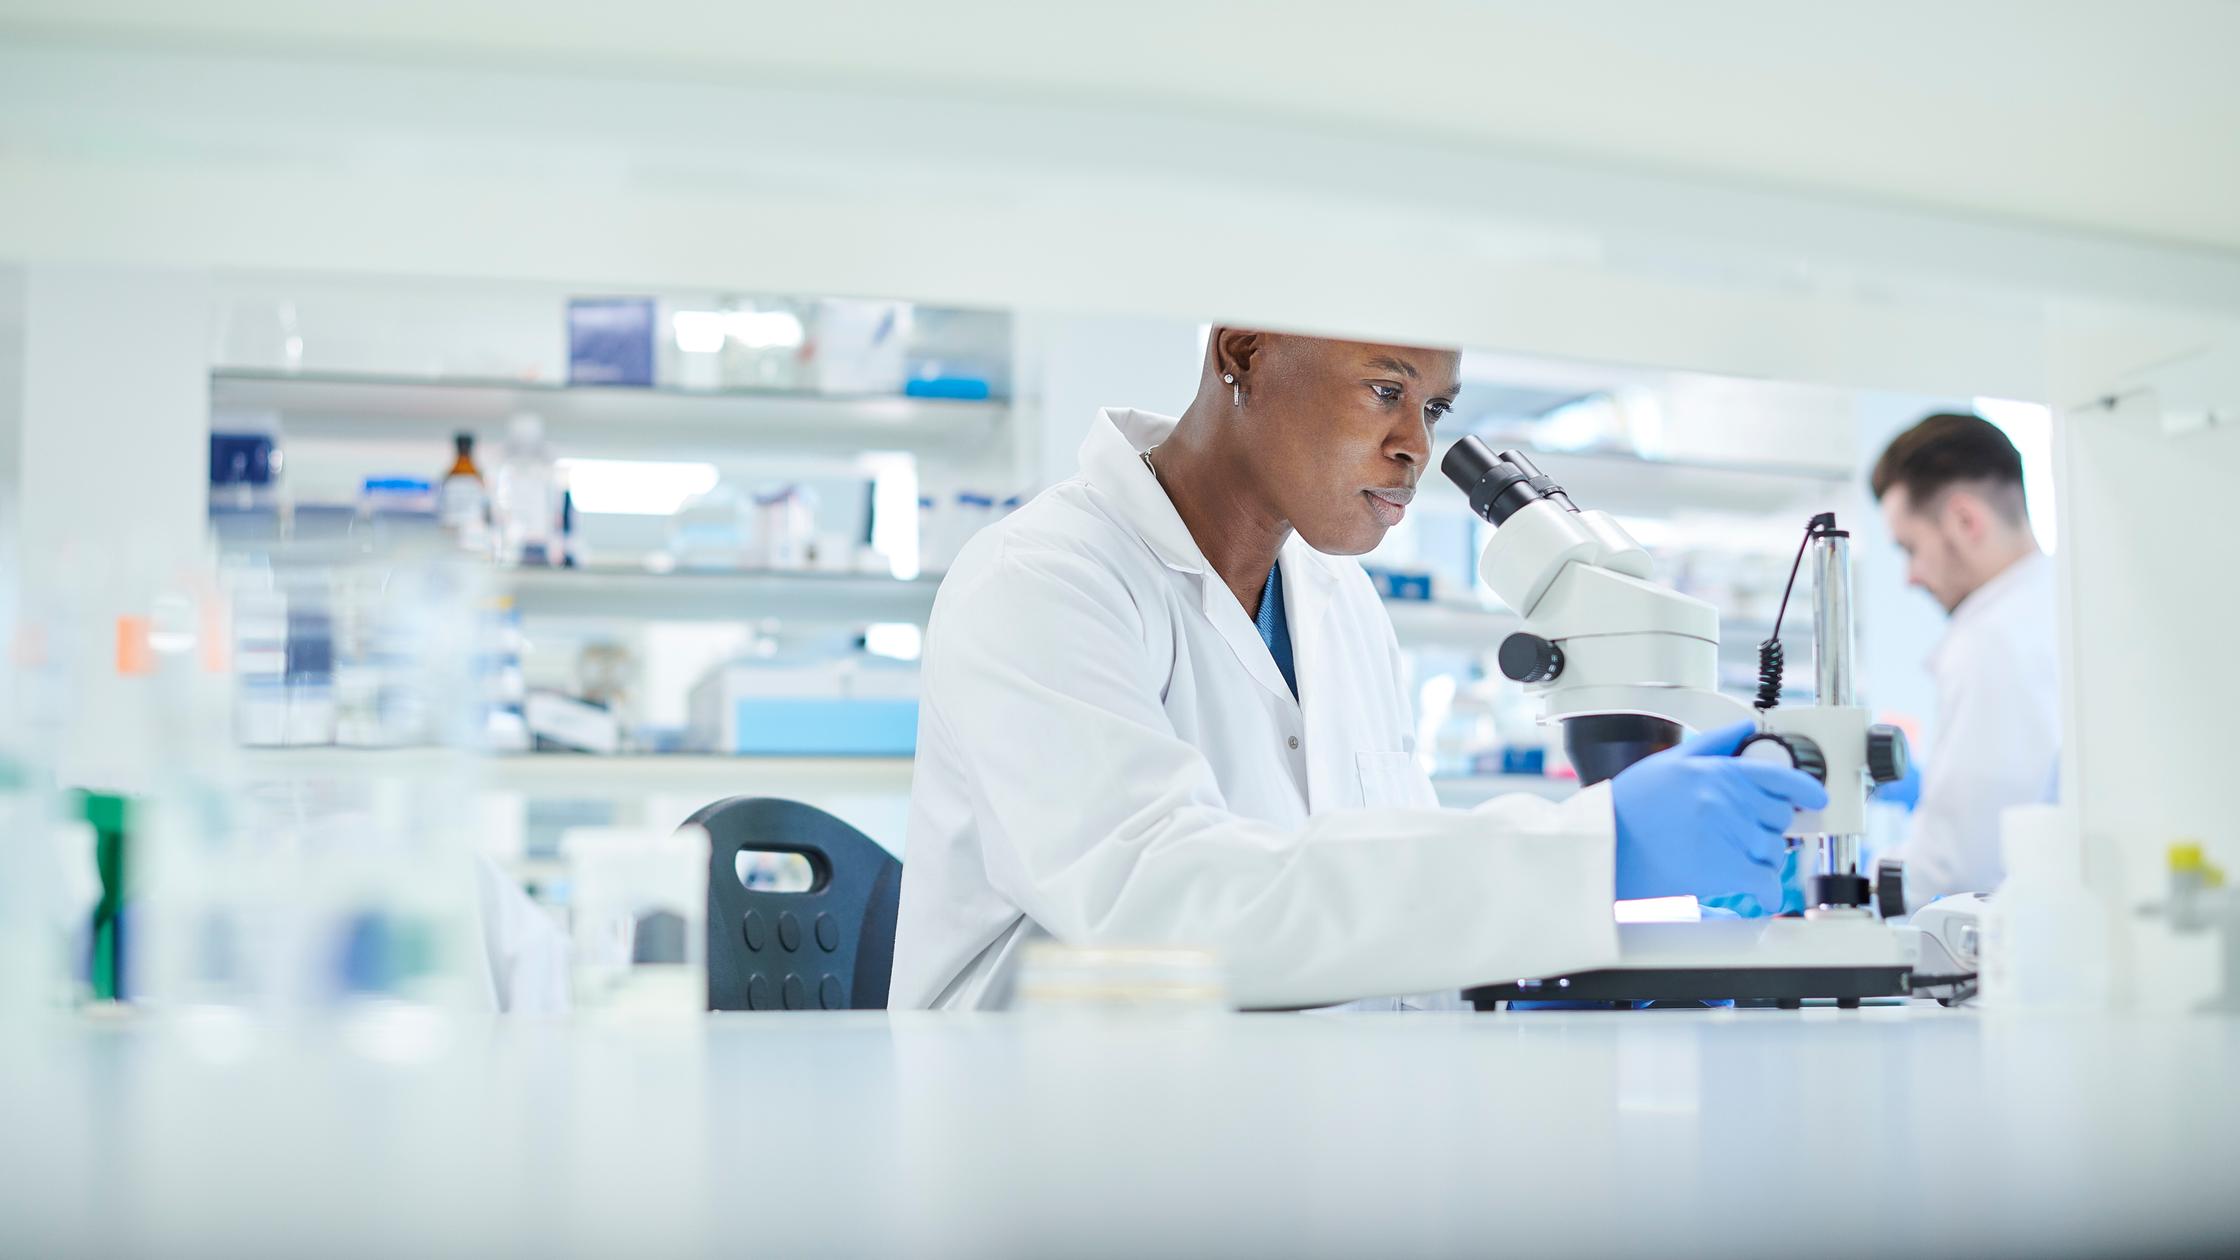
pixel 1949 449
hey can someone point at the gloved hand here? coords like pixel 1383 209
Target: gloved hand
pixel 1746 906
pixel 1695 820
pixel 1905 791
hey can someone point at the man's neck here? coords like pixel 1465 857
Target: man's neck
pixel 1213 490
pixel 2003 561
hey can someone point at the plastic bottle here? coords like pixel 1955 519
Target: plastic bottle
pixel 2045 935
pixel 527 503
pixel 463 503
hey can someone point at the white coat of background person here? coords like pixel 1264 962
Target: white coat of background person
pixel 1120 743
pixel 1951 492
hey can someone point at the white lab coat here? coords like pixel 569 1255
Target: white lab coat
pixel 1108 754
pixel 1998 736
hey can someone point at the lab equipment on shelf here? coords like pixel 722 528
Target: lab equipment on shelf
pixel 1399 584
pixel 861 347
pixel 858 705
pixel 463 502
pixel 711 530
pixel 245 502
pixel 396 512
pixel 610 341
pixel 526 504
pixel 785 525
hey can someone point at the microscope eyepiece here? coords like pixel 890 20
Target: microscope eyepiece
pixel 1499 485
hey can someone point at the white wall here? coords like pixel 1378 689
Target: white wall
pixel 112 478
pixel 2151 600
pixel 1072 364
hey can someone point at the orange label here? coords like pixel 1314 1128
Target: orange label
pixel 134 657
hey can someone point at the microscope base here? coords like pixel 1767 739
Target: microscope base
pixel 1780 985
pixel 1785 961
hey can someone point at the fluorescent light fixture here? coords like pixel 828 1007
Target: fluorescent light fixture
pixel 634 487
pixel 901 640
pixel 698 332
pixel 764 330
pixel 894 510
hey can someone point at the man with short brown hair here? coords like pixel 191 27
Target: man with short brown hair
pixel 1951 492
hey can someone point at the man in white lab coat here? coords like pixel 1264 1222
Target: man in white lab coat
pixel 1951 492
pixel 1159 708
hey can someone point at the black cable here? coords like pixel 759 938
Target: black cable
pixel 1938 982
pixel 1772 660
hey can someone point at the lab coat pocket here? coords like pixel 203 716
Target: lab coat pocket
pixel 1391 780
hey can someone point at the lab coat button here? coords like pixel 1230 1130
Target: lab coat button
pixel 789 931
pixel 1294 743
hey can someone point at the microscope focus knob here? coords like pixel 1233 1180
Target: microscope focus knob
pixel 1888 755
pixel 1786 750
pixel 1528 658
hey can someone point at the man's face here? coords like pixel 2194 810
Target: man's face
pixel 1341 432
pixel 1931 541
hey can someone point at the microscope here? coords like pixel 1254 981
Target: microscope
pixel 1623 664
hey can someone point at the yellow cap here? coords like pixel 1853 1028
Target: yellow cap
pixel 2187 857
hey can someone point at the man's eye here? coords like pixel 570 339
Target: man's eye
pixel 1385 393
pixel 1436 412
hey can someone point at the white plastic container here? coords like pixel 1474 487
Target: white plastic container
pixel 785 522
pixel 2045 935
pixel 527 498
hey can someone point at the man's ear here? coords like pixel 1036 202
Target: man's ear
pixel 1236 350
pixel 1967 515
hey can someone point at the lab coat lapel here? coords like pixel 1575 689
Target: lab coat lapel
pixel 1243 637
pixel 1310 582
pixel 1112 462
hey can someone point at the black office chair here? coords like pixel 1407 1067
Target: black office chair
pixel 829 948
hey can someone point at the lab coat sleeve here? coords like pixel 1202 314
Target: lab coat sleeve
pixel 1104 826
pixel 1997 745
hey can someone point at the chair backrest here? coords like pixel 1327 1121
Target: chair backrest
pixel 829 948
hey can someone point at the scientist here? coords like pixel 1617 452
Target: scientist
pixel 1951 493
pixel 1160 708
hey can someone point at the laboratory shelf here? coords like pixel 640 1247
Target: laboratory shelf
pixel 640 423
pixel 686 595
pixel 1449 623
pixel 584 776
pixel 588 776
pixel 1634 485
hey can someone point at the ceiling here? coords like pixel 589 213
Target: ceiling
pixel 2121 119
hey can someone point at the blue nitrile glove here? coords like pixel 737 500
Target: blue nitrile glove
pixel 1745 906
pixel 1905 791
pixel 1696 820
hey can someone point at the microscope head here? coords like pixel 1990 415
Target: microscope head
pixel 1622 662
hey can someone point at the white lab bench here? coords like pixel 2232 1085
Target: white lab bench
pixel 1890 1131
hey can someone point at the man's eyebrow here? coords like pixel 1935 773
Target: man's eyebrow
pixel 1390 364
